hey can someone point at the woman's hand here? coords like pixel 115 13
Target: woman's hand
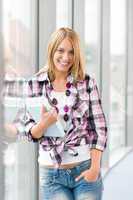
pixel 90 175
pixel 48 118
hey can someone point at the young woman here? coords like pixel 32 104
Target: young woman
pixel 69 165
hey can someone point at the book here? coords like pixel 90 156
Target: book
pixel 12 105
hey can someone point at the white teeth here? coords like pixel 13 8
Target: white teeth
pixel 64 63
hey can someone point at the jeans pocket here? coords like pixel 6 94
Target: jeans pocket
pixel 94 185
pixel 84 165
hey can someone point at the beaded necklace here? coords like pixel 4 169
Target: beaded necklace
pixel 68 92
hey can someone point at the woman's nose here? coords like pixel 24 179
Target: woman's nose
pixel 65 56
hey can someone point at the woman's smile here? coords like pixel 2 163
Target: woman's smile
pixel 63 64
pixel 63 57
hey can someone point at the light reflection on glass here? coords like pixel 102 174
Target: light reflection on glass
pixel 19 61
pixel 117 70
pixel 62 13
pixel 91 36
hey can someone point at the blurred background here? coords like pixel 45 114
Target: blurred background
pixel 106 32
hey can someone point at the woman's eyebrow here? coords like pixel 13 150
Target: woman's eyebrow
pixel 61 48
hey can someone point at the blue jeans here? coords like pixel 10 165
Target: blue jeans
pixel 60 184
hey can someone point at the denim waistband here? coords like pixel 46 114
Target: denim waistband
pixel 80 167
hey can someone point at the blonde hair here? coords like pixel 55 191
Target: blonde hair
pixel 78 67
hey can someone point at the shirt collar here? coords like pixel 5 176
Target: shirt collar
pixel 44 76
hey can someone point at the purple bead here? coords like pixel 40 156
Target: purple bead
pixel 54 101
pixel 66 108
pixel 68 85
pixel 66 117
pixel 68 92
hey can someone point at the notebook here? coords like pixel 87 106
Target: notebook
pixel 12 105
pixel 33 105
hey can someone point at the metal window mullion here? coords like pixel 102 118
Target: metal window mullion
pixel 2 170
pixel 72 13
pixel 47 24
pixel 79 19
pixel 126 72
pixel 37 35
pixel 104 64
pixel 100 44
pixel 129 81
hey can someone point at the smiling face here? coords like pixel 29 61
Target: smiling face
pixel 64 56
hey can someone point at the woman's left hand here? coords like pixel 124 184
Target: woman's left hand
pixel 90 175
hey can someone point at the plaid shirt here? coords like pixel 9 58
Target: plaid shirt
pixel 88 119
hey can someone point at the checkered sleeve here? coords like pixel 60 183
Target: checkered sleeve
pixel 23 123
pixel 24 120
pixel 97 121
pixel 29 123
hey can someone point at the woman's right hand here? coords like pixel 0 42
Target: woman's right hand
pixel 47 118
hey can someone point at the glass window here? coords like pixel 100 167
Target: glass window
pixel 19 37
pixel 62 13
pixel 91 37
pixel 118 73
pixel 19 61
